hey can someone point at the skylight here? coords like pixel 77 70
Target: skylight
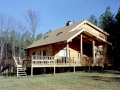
pixel 59 33
pixel 45 37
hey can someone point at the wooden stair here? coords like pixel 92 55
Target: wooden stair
pixel 12 66
pixel 19 68
pixel 21 72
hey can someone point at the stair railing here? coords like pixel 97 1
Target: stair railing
pixel 18 63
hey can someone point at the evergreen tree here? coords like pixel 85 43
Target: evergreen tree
pixel 106 22
pixel 93 20
pixel 117 41
pixel 39 36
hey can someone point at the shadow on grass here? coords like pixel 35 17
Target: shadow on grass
pixel 106 79
pixel 107 72
pixel 100 78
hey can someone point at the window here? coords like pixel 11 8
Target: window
pixel 45 37
pixel 34 53
pixel 59 33
pixel 63 53
pixel 101 53
pixel 43 53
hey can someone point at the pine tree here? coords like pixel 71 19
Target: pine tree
pixel 117 41
pixel 93 20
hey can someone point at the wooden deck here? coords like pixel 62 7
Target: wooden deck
pixel 8 65
pixel 55 61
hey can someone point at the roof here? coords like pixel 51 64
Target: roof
pixel 66 33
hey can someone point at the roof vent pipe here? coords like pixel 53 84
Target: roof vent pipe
pixel 69 23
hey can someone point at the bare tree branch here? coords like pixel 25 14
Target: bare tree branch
pixel 33 19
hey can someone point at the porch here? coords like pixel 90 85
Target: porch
pixel 18 65
pixel 56 61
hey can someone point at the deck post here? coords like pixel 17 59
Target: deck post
pixel 0 68
pixel 74 64
pixel 93 46
pixel 31 66
pixel 54 65
pixel 67 52
pixel 31 71
pixel 81 47
pixel 17 71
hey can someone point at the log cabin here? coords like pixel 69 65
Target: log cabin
pixel 75 45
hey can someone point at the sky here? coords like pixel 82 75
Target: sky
pixel 55 13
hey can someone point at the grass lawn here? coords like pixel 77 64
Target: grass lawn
pixel 107 80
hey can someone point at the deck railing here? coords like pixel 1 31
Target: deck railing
pixel 50 60
pixel 8 61
pixel 5 64
pixel 11 61
pixel 58 60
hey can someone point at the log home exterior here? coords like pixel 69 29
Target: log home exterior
pixel 83 41
pixel 74 45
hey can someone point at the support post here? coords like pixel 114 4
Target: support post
pixel 32 67
pixel 67 52
pixel 54 66
pixel 31 71
pixel 74 64
pixel 10 71
pixel 17 71
pixel 0 69
pixel 81 47
pixel 93 46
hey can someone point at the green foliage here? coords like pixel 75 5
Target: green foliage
pixel 116 40
pixel 39 36
pixel 15 43
pixel 110 23
pixel 47 32
pixel 106 22
pixel 106 19
pixel 93 20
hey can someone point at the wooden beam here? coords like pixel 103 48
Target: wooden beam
pixel 31 71
pixel 54 65
pixel 81 47
pixel 67 50
pixel 87 41
pixel 89 38
pixel 17 71
pixel 32 67
pixel 93 46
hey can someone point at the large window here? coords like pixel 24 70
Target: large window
pixel 63 53
pixel 43 53
pixel 34 53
